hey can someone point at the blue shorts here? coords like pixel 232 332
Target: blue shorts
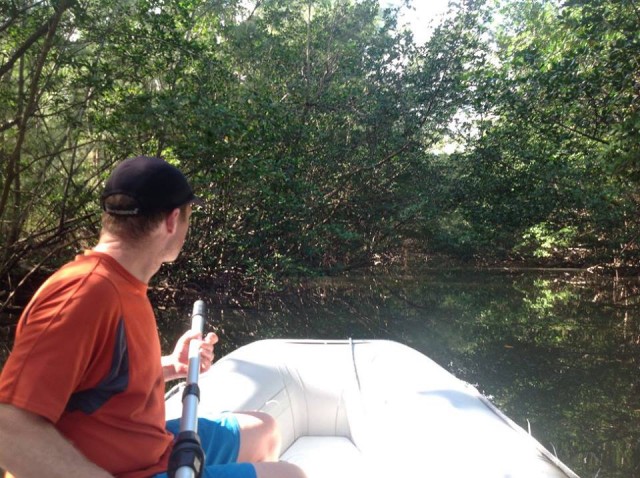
pixel 220 439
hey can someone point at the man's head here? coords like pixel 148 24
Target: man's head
pixel 140 193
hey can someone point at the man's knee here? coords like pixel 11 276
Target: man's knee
pixel 261 439
pixel 271 436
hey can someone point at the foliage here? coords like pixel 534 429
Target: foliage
pixel 551 113
pixel 544 241
pixel 315 130
pixel 300 121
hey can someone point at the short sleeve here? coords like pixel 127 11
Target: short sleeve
pixel 63 345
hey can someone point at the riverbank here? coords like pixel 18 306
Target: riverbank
pixel 231 287
pixel 231 290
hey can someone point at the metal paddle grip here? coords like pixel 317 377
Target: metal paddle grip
pixel 187 457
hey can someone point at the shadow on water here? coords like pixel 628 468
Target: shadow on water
pixel 557 351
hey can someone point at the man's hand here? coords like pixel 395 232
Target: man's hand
pixel 176 365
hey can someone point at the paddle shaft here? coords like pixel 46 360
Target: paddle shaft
pixel 189 420
pixel 187 457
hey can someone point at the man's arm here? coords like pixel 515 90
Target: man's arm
pixel 31 447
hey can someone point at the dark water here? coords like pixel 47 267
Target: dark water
pixel 557 351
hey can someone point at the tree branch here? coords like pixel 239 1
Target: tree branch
pixel 41 31
pixel 17 13
pixel 30 108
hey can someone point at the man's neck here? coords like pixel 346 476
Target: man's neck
pixel 140 261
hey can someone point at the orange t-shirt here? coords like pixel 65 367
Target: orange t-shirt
pixel 87 358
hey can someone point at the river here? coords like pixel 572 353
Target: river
pixel 557 350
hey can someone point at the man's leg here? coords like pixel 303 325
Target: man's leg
pixel 252 429
pixel 260 443
pixel 260 438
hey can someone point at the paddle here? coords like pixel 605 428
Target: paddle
pixel 187 456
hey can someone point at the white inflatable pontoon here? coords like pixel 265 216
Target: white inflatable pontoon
pixel 371 408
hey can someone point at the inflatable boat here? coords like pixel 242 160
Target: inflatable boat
pixel 361 408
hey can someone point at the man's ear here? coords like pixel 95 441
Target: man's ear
pixel 172 219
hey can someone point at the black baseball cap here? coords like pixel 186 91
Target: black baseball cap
pixel 153 185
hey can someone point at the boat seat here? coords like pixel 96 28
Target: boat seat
pixel 307 401
pixel 310 454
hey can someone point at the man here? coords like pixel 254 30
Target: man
pixel 82 394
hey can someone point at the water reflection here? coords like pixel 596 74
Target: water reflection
pixel 557 351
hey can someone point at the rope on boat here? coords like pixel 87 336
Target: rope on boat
pixel 353 362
